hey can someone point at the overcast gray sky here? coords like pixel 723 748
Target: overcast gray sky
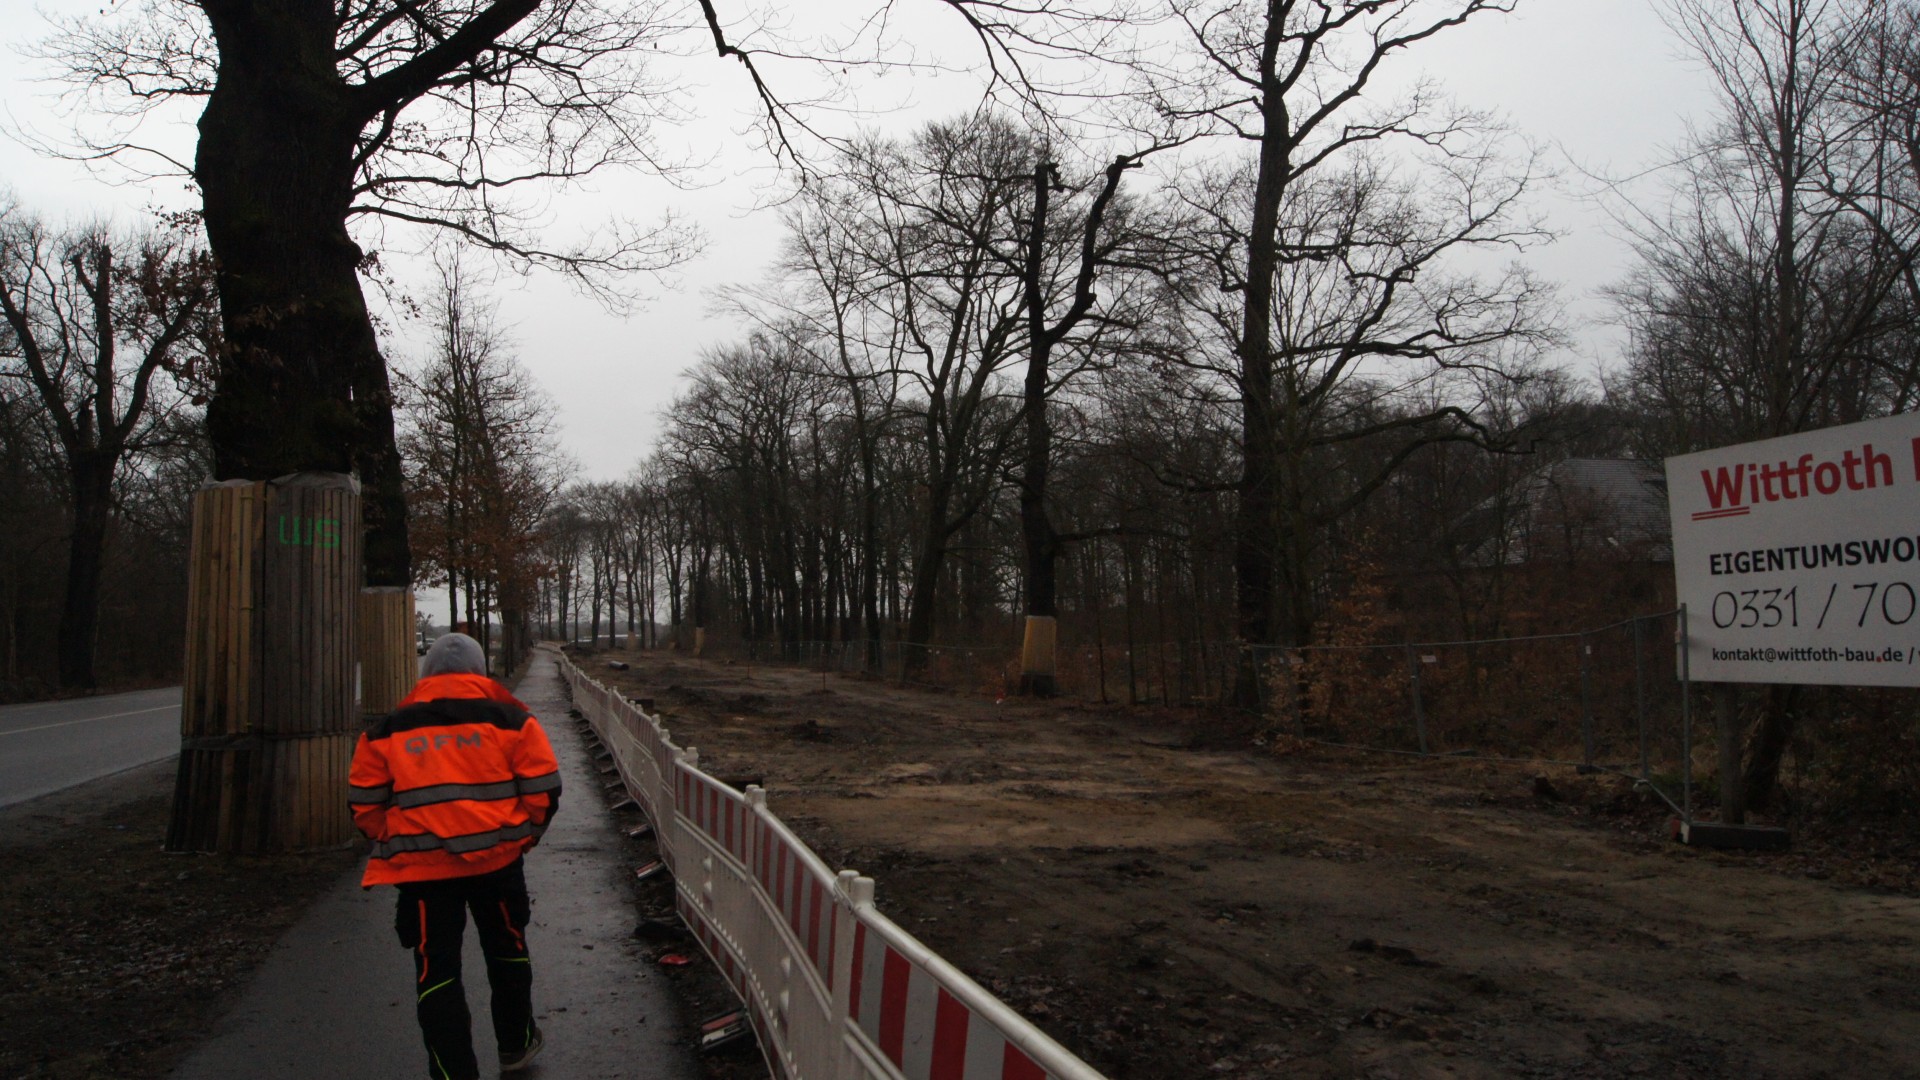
pixel 1601 79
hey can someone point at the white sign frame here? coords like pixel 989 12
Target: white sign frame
pixel 1798 558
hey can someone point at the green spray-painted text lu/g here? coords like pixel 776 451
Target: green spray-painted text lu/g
pixel 309 532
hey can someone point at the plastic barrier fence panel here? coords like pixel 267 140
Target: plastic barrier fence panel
pixel 834 989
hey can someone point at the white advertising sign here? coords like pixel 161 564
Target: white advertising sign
pixel 1798 558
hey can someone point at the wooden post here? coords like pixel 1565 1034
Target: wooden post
pixel 1038 668
pixel 385 644
pixel 268 718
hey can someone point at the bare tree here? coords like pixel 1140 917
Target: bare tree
pixel 1874 166
pixel 828 306
pixel 433 113
pixel 32 529
pixel 942 237
pixel 482 463
pixel 562 543
pixel 1760 297
pixel 97 326
pixel 1774 294
pixel 1066 252
pixel 320 113
pixel 1330 256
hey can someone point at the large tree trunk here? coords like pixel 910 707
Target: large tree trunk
pixel 792 614
pixel 388 554
pixel 870 551
pixel 92 491
pixel 1038 539
pixel 302 384
pixel 1292 613
pixel 1039 543
pixel 923 605
pixel 1255 538
pixel 593 628
pixel 674 601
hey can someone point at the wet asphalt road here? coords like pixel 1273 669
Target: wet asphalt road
pixel 50 745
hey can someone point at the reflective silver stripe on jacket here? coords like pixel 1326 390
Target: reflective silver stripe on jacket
pixel 531 784
pixel 454 845
pixel 374 796
pixel 439 793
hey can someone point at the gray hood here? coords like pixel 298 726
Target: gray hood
pixel 453 654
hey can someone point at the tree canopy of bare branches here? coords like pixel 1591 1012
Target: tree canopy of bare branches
pixel 1775 286
pixel 318 113
pixel 483 466
pixel 1328 262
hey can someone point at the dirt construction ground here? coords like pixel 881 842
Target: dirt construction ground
pixel 1169 899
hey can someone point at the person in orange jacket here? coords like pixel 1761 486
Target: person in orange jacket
pixel 454 787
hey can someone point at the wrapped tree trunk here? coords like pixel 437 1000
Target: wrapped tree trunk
pixel 268 717
pixel 1037 671
pixel 385 647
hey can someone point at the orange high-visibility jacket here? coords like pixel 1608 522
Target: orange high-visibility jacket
pixel 458 780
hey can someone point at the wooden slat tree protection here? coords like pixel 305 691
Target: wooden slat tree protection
pixel 385 642
pixel 1037 655
pixel 268 717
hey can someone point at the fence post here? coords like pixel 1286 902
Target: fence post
pixel 842 982
pixel 1226 671
pixel 1100 668
pixel 756 798
pixel 690 757
pixel 1295 660
pixel 1259 680
pixel 1640 693
pixel 1686 719
pixel 1419 707
pixel 1586 700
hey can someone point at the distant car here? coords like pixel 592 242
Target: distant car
pixel 420 648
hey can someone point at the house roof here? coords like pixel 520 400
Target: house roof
pixel 1602 505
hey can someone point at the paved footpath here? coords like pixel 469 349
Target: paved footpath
pixel 335 997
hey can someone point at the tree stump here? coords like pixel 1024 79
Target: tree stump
pixel 268 718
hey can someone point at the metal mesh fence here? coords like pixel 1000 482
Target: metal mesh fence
pixel 981 668
pixel 1608 698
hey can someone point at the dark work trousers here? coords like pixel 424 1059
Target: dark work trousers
pixel 431 918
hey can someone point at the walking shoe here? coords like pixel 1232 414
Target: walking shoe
pixel 523 1059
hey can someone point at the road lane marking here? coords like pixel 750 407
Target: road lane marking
pixel 88 720
pixel 7 711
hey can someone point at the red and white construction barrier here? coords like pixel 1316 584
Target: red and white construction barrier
pixel 911 1010
pixel 833 988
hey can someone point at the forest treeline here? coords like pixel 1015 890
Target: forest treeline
pixel 996 373
pixel 1252 362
